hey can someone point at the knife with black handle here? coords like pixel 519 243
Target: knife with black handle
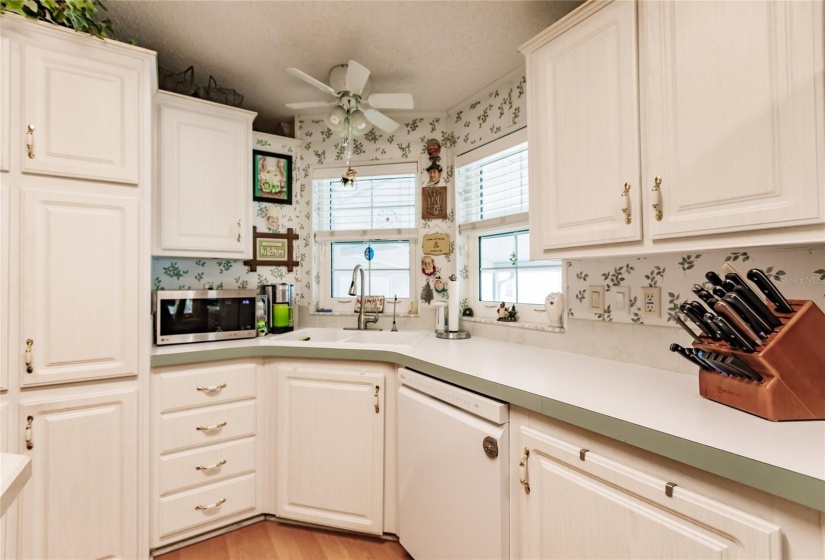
pixel 719 291
pixel 720 335
pixel 758 306
pixel 770 290
pixel 702 293
pixel 698 321
pixel 725 310
pixel 713 278
pixel 682 351
pixel 711 363
pixel 744 310
pixel 734 362
pixel 732 333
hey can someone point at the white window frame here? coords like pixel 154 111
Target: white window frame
pixel 512 223
pixel 324 240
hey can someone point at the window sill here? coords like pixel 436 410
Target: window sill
pixel 354 314
pixel 515 324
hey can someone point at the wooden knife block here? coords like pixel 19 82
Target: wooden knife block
pixel 792 363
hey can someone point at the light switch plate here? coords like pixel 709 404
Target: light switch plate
pixel 595 299
pixel 621 299
pixel 651 301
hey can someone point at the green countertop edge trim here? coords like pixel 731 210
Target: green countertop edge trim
pixel 777 481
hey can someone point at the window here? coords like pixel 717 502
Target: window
pixel 377 219
pixel 493 201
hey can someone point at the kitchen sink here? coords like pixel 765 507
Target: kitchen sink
pixel 316 336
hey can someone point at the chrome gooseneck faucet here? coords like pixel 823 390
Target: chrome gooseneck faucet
pixel 364 319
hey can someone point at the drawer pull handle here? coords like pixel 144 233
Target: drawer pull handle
pixel 29 436
pixel 210 467
pixel 212 388
pixel 30 140
pixel 211 428
pixel 211 506
pixel 375 403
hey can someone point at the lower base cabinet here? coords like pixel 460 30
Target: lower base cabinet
pixel 82 498
pixel 577 504
pixel 330 444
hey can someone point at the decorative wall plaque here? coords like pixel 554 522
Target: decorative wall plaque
pixel 436 244
pixel 272 249
pixel 434 203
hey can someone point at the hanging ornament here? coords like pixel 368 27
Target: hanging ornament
pixel 439 285
pixel 427 292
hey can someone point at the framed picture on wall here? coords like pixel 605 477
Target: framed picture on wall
pixel 271 177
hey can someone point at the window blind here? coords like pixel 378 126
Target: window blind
pixel 380 199
pixel 493 182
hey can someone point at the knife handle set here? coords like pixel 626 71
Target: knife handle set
pixel 765 356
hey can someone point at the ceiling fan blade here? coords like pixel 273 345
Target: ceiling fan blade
pixel 391 101
pixel 310 104
pixel 357 77
pixel 310 80
pixel 381 120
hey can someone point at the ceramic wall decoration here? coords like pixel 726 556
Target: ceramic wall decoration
pixel 427 266
pixel 554 307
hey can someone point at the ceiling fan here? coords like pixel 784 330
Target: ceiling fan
pixel 354 107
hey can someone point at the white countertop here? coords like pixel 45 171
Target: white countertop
pixel 15 471
pixel 659 410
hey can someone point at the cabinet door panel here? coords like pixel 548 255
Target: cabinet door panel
pixel 79 283
pixel 730 111
pixel 598 508
pixel 584 133
pixel 81 500
pixel 82 103
pixel 331 448
pixel 203 158
pixel 5 100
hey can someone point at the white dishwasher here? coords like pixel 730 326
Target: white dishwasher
pixel 453 496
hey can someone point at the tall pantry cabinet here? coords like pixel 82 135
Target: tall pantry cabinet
pixel 75 166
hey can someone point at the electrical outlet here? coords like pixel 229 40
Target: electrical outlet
pixel 651 301
pixel 621 299
pixel 595 299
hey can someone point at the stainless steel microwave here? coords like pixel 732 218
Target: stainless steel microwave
pixel 203 315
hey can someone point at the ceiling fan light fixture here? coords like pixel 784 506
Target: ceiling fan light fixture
pixel 336 118
pixel 358 123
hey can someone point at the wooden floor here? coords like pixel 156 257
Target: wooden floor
pixel 270 540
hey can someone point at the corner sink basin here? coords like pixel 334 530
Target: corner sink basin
pixel 407 338
pixel 340 338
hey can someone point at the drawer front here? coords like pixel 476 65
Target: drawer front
pixel 207 385
pixel 204 426
pixel 205 465
pixel 180 512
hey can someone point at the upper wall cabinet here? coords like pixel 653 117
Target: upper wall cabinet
pixel 203 203
pixel 730 127
pixel 78 103
pixel 5 99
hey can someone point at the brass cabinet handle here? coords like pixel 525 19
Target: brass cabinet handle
pixel 377 410
pixel 210 467
pixel 211 428
pixel 211 506
pixel 30 140
pixel 212 388
pixel 626 203
pixel 657 198
pixel 29 435
pixel 239 231
pixel 523 471
pixel 28 355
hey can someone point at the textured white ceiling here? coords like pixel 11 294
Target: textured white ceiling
pixel 441 52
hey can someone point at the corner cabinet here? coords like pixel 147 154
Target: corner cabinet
pixel 204 179
pixel 729 137
pixel 583 505
pixel 330 444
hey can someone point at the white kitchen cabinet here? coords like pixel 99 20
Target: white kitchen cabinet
pixel 584 128
pixel 78 104
pixel 729 134
pixel 82 498
pixel 583 505
pixel 207 455
pixel 79 285
pixel 5 100
pixel 203 203
pixel 5 278
pixel 330 444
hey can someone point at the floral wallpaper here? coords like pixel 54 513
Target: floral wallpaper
pixel 798 273
pixel 174 273
pixel 319 146
pixel 486 116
